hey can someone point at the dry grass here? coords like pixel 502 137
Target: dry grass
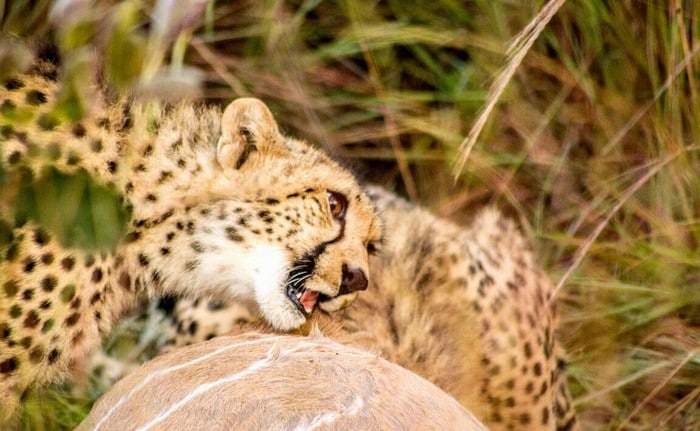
pixel 593 144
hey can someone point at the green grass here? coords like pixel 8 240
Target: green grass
pixel 593 145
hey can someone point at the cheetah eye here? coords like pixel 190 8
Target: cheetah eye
pixel 337 204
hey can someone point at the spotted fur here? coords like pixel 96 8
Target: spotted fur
pixel 466 308
pixel 221 204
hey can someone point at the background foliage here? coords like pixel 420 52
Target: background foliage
pixel 594 145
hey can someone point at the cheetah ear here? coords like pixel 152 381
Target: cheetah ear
pixel 246 125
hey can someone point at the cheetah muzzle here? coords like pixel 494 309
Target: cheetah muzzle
pixel 353 279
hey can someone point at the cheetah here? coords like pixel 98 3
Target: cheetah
pixel 221 205
pixel 466 308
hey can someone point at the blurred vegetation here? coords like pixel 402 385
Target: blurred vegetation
pixel 594 145
pixel 80 212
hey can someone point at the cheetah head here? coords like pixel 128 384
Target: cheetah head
pixel 277 224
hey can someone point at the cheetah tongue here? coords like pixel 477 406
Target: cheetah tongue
pixel 308 299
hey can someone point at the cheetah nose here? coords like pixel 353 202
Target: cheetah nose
pixel 353 279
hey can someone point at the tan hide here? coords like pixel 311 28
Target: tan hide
pixel 275 382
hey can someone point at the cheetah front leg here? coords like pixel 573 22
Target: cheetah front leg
pixel 56 304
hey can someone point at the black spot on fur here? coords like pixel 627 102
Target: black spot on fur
pixel 537 368
pixel 165 216
pixel 126 122
pixel 8 365
pixel 75 339
pixel 28 294
pixel 97 275
pixel 53 356
pixel 14 158
pixel 29 264
pixel 13 84
pixel 164 176
pixel 26 342
pixel 132 236
pixel 545 415
pixel 36 97
pixel 72 319
pixel 124 281
pixel 143 260
pixel 112 166
pixel 47 258
pixel 266 216
pixel 48 283
pixel 6 131
pixel 5 331
pixel 73 159
pixel 192 328
pixel 233 235
pixel 95 298
pixel 32 320
pixel 12 252
pixel 36 355
pixel 167 303
pixel 15 311
pixel 41 237
pixel 10 288
pixel 68 263
pixel 78 130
